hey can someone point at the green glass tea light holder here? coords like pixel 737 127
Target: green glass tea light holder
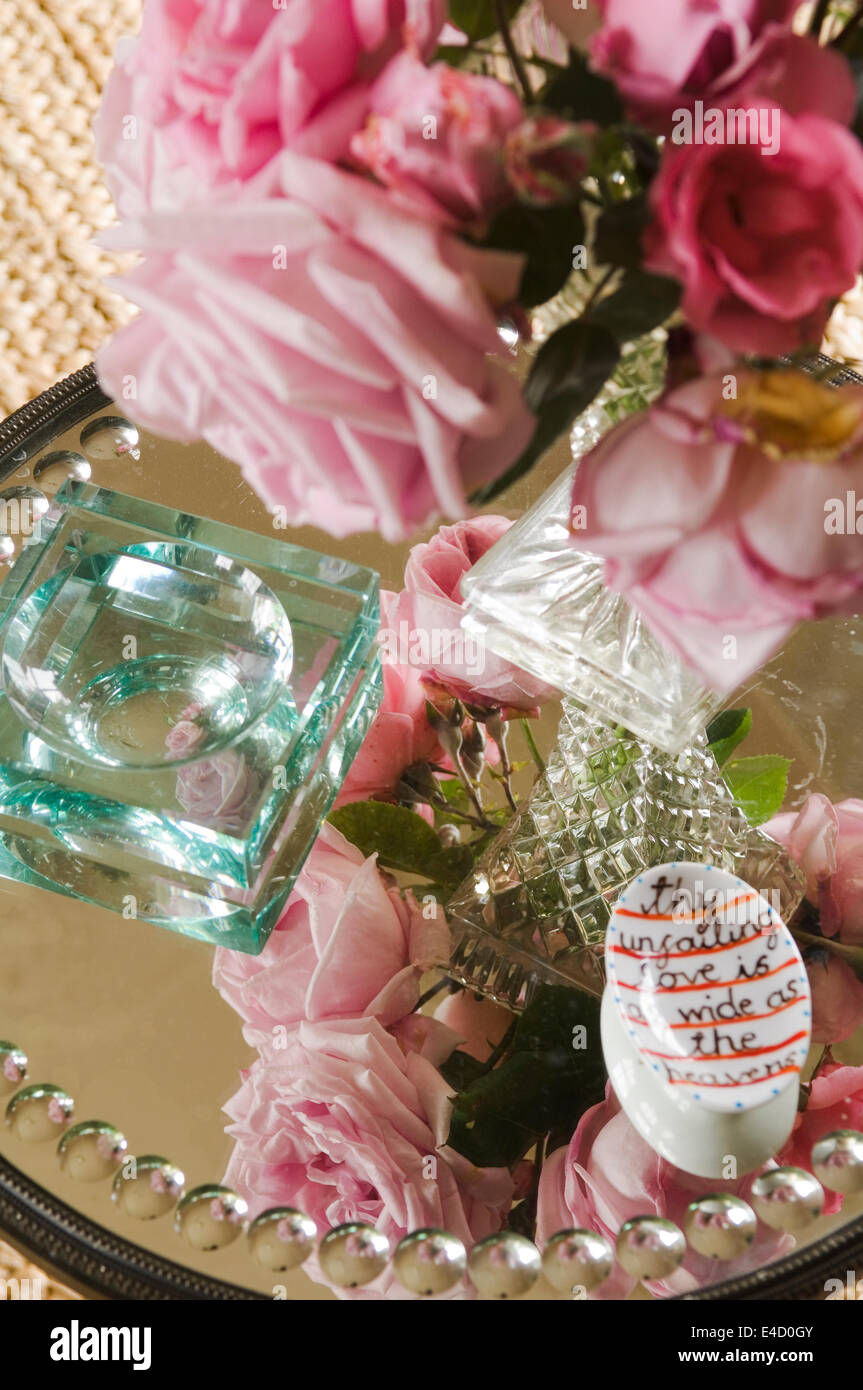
pixel 180 702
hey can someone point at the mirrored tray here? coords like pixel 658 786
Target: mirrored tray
pixel 123 1016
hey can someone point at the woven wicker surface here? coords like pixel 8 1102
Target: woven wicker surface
pixel 20 1280
pixel 54 308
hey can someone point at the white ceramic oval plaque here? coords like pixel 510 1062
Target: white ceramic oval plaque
pixel 709 987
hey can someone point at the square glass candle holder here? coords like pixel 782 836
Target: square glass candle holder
pixel 115 619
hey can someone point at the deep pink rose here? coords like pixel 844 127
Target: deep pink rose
pixel 711 515
pixel 835 1102
pixel 226 84
pixel 347 1126
pixel 669 54
pixel 762 243
pixel 435 136
pixel 608 1174
pixel 430 608
pixel 337 346
pixel 345 945
pixel 217 788
pixel 827 842
pixel 183 738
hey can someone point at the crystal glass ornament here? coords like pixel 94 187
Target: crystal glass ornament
pixel 837 1160
pixel 505 1265
pixel 122 620
pixel 91 1151
pixel 353 1254
pixel 577 1259
pixel 608 806
pixel 720 1226
pixel 787 1199
pixel 429 1262
pixel 281 1238
pixel 147 1187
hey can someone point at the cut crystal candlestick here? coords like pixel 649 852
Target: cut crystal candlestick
pixel 609 805
pixel 181 700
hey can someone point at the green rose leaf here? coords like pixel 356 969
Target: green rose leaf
pixel 582 95
pixel 479 18
pixel 641 303
pixel 553 1073
pixel 729 728
pixel 569 371
pixel 758 785
pixel 547 237
pixel 402 840
pixel 618 234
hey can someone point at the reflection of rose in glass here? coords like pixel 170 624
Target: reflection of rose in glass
pixel 183 738
pixel 12 1069
pixel 57 1111
pixel 215 788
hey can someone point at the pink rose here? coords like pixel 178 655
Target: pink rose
pixel 217 788
pixel 608 1174
pixel 763 243
pixel 400 733
pixel 183 738
pixel 835 1102
pixel 220 86
pixel 345 945
pixel 343 1126
pixel 479 1023
pixel 710 514
pixel 350 373
pixel 430 608
pixel 665 56
pixel 436 135
pixel 827 842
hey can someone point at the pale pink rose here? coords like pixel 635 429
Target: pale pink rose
pixel 351 371
pixel 479 1023
pixel 608 1174
pixel 762 243
pixel 708 535
pixel 435 136
pixel 343 1125
pixel 835 1102
pixel 345 945
pixel 183 738
pixel 546 159
pixel 431 604
pixel 217 87
pixel 400 733
pixel 217 788
pixel 827 842
pixel 666 55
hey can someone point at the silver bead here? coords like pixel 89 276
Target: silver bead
pixel 505 1265
pixel 720 1226
pixel 39 1113
pixel 13 1067
pixel 147 1187
pixel 837 1160
pixel 281 1238
pixel 429 1262
pixel 110 437
pixel 353 1254
pixel 577 1259
pixel 787 1199
pixel 54 468
pixel 210 1217
pixel 91 1151
pixel 650 1247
